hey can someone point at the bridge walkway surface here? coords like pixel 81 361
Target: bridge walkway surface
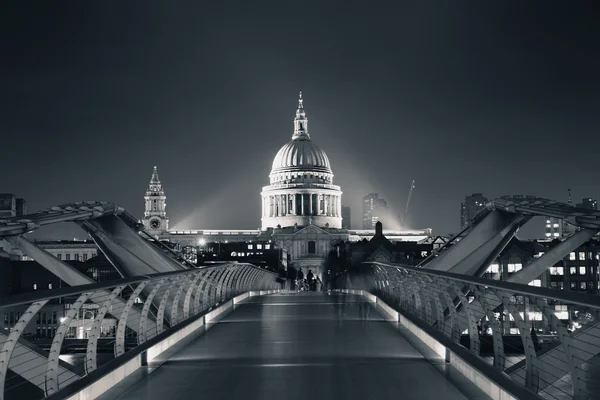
pixel 300 346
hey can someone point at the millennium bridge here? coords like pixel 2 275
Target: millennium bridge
pixel 236 331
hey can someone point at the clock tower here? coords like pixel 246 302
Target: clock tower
pixel 155 214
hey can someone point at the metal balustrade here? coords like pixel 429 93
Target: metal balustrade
pixel 94 324
pixel 554 358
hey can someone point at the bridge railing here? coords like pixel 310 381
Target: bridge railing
pixel 54 338
pixel 544 339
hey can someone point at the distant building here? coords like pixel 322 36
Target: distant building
pixel 554 228
pixel 578 271
pixel 346 218
pixel 374 210
pixel 21 208
pixel 557 228
pixel 301 214
pixel 588 203
pixel 11 206
pixel 472 205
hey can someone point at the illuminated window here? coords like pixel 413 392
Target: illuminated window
pixel 514 331
pixel 267 246
pixel 556 234
pixel 582 271
pixel 548 225
pixel 572 270
pixel 258 246
pixel 536 282
pixel 582 255
pixel 555 225
pixel 548 234
pixel 250 247
pixel 561 312
pixel 514 267
pixel 583 285
pixel 494 268
pixel 573 285
pixel 572 256
pixel 49 285
pixel 34 286
pixel 557 271
pixel 233 254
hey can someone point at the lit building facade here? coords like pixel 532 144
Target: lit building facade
pixel 472 205
pixel 155 206
pixel 301 190
pixel 374 210
pixel 301 212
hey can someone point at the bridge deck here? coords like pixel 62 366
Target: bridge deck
pixel 295 346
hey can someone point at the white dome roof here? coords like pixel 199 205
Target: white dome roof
pixel 301 154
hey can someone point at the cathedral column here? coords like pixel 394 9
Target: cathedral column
pixel 333 206
pixel 293 210
pixel 301 203
pixel 310 204
pixel 283 204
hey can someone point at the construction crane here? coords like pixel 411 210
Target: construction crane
pixel 403 216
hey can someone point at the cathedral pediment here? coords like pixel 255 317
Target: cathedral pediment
pixel 311 230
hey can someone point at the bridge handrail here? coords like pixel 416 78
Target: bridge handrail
pixel 582 299
pixel 545 340
pixel 41 295
pixel 131 312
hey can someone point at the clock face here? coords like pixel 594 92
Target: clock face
pixel 155 224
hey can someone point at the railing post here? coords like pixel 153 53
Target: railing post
pixel 160 315
pixel 91 362
pixel 532 374
pixel 145 310
pixel 52 384
pixel 188 296
pixel 13 338
pixel 122 327
pixel 497 342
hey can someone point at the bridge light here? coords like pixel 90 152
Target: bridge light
pixel 201 242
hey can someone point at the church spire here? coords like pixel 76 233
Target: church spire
pixel 300 122
pixel 154 179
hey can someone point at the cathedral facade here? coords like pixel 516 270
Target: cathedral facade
pixel 301 207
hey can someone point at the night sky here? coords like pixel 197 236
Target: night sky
pixel 463 97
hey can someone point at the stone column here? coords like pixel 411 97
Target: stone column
pixel 293 210
pixel 279 210
pixel 334 205
pixel 302 204
pixel 310 204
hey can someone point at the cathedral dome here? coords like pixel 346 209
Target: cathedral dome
pixel 301 154
pixel 301 192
